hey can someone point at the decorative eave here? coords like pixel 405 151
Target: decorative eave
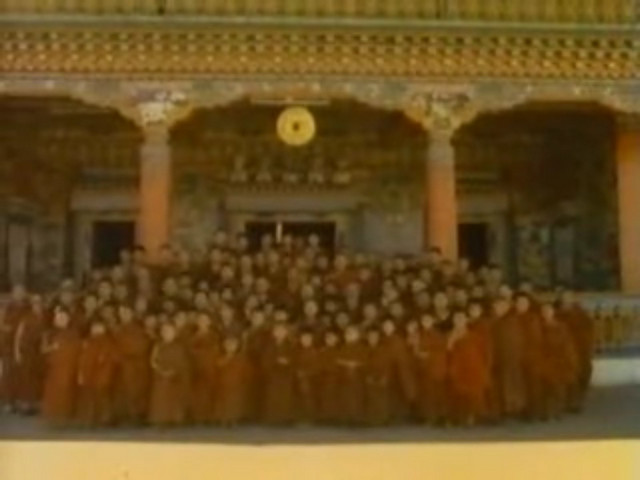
pixel 202 49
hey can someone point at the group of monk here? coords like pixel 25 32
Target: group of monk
pixel 291 333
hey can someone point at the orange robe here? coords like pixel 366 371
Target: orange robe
pixel 256 341
pixel 329 386
pixel 134 373
pixel 402 381
pixel 483 328
pixel 468 377
pixel 351 360
pixel 59 396
pixel 170 366
pixel 96 373
pixel 28 359
pixel 432 376
pixel 279 382
pixel 232 388
pixel 204 351
pixel 509 361
pixel 560 368
pixel 307 373
pixel 581 330
pixel 13 315
pixel 532 325
pixel 379 368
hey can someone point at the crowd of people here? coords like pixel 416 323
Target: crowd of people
pixel 291 333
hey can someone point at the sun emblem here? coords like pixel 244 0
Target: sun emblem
pixel 296 126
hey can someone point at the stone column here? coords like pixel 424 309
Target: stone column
pixel 155 190
pixel 628 172
pixel 440 207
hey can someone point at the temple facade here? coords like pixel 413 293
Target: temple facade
pixel 505 132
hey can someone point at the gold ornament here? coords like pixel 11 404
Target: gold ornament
pixel 296 126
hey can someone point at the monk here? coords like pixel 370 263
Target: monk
pixel 468 372
pixel 431 356
pixel 279 377
pixel 531 323
pixel 256 339
pixel 28 357
pixel 96 373
pixel 233 370
pixel 402 383
pixel 170 367
pixel 62 350
pixel 561 365
pixel 133 378
pixel 16 309
pixel 329 379
pixel 204 353
pixel 481 326
pixel 307 369
pixel 351 360
pixel 509 351
pixel 379 367
pixel 581 329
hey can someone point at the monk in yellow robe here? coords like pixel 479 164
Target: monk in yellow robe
pixel 561 364
pixel 256 339
pixel 231 399
pixel 307 365
pixel 279 377
pixel 509 355
pixel 402 387
pixel 581 329
pixel 62 351
pixel 351 359
pixel 432 372
pixel 204 350
pixel 329 379
pixel 96 369
pixel 131 396
pixel 15 310
pixel 468 373
pixel 532 326
pixel 28 361
pixel 378 370
pixel 170 367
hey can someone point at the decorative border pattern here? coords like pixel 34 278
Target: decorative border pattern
pixel 201 51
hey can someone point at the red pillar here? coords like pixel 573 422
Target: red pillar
pixel 628 172
pixel 440 206
pixel 155 191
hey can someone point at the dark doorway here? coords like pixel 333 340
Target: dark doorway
pixel 326 231
pixel 109 238
pixel 256 230
pixel 474 243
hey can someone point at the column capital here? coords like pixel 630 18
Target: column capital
pixel 442 111
pixel 157 111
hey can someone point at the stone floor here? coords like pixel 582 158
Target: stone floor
pixel 611 413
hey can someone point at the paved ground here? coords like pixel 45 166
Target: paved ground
pixel 611 413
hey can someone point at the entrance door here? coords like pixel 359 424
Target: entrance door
pixel 255 230
pixel 109 238
pixel 326 231
pixel 474 243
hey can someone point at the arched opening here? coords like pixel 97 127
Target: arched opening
pixel 68 169
pixel 539 181
pixel 357 183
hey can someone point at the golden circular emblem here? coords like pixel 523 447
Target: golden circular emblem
pixel 296 126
